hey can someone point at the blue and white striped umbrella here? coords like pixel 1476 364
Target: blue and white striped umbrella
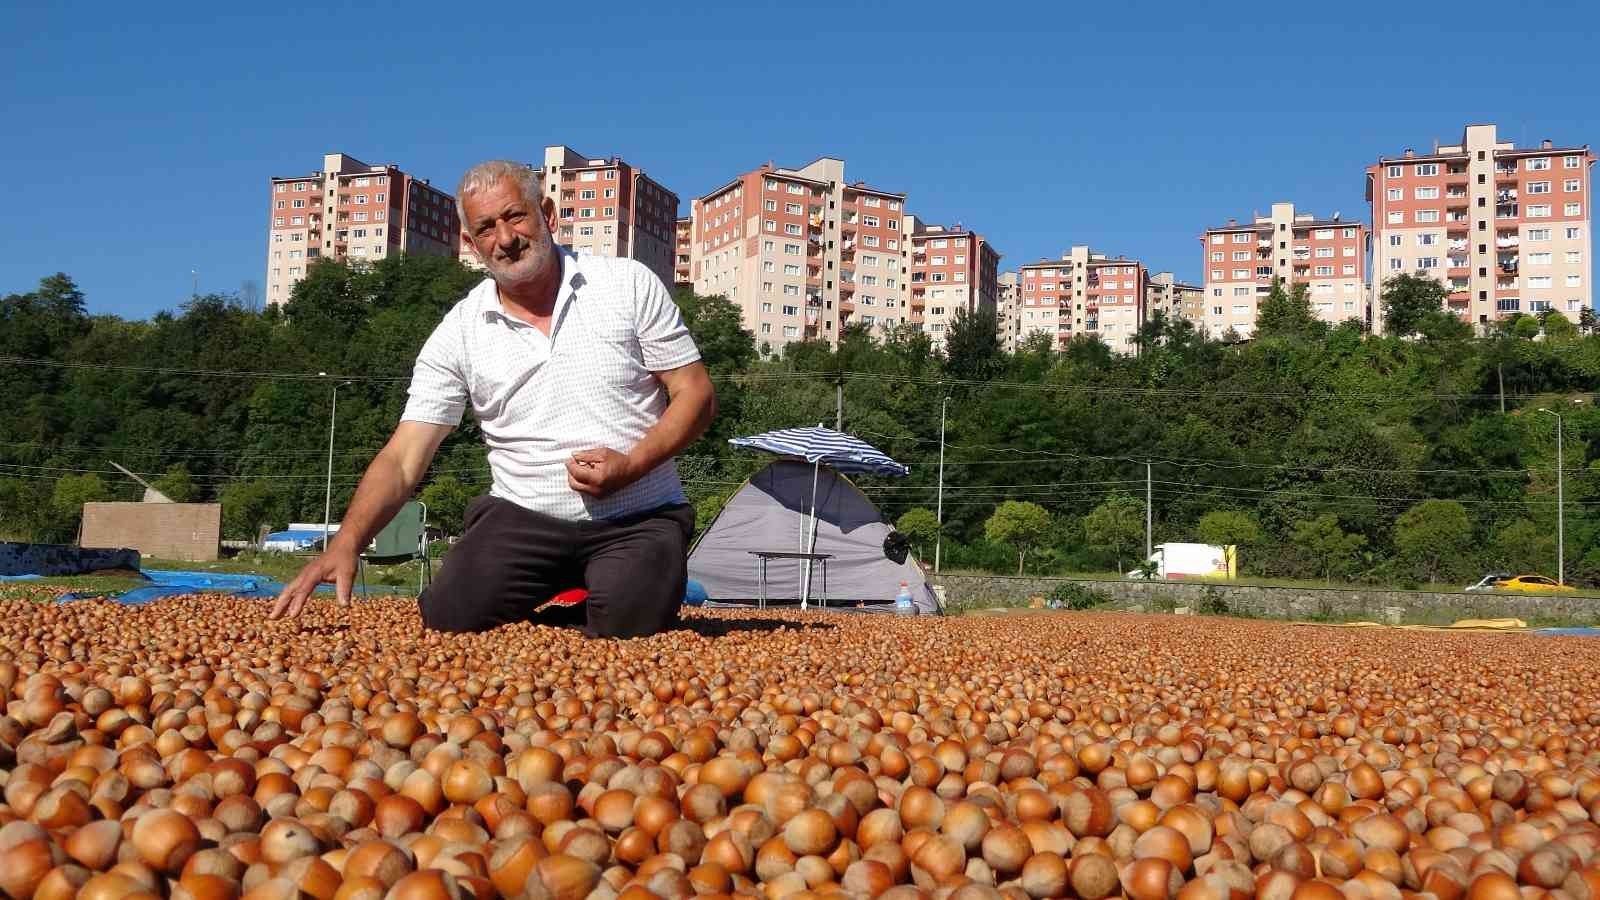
pixel 816 444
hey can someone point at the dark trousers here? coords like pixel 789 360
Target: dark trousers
pixel 512 559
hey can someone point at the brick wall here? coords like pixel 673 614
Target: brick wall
pixel 188 531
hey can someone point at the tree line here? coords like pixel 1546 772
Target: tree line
pixel 1415 456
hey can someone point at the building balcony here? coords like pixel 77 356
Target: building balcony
pixel 1455 176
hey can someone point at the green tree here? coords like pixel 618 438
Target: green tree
pixel 1116 527
pixel 176 484
pixel 247 505
pixel 1407 300
pixel 1019 523
pixel 1521 547
pixel 920 526
pixel 972 345
pixel 1334 551
pixel 1434 537
pixel 66 503
pixel 1586 321
pixel 1229 528
pixel 718 331
pixel 1558 327
pixel 1288 313
pixel 447 499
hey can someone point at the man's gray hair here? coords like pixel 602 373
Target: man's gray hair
pixel 489 173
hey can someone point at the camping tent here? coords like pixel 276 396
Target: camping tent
pixel 772 512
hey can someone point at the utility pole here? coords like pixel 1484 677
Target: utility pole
pixel 1561 506
pixel 838 405
pixel 194 278
pixel 327 497
pixel 938 538
pixel 1149 549
pixel 1500 373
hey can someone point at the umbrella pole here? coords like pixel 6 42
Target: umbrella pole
pixel 811 545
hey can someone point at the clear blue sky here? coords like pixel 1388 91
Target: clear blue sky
pixel 138 139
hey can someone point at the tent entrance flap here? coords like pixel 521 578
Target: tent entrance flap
pixel 774 511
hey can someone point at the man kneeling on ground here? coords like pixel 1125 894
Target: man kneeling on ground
pixel 586 384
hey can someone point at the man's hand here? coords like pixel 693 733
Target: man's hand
pixel 334 566
pixel 600 472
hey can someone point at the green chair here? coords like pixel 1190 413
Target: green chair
pixel 404 538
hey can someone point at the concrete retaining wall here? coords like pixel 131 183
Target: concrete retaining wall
pixel 188 531
pixel 1277 602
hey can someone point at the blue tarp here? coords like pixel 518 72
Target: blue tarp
pixel 1569 632
pixel 169 583
pixel 290 541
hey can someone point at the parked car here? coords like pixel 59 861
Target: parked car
pixel 1533 584
pixel 1488 582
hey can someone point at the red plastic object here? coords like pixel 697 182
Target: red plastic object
pixel 569 598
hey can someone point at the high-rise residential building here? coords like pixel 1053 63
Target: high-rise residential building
pixel 952 268
pixel 1084 292
pixel 1244 259
pixel 1505 228
pixel 1007 319
pixel 683 253
pixel 1177 299
pixel 609 207
pixel 803 252
pixel 350 210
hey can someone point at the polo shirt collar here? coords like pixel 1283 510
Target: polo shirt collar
pixel 571 280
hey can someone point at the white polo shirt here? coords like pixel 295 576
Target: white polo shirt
pixel 539 399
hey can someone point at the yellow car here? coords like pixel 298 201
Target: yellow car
pixel 1533 584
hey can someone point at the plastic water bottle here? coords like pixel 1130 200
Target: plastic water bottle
pixel 902 600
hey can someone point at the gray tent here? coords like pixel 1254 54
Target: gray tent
pixel 772 512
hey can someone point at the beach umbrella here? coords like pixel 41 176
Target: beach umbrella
pixel 822 446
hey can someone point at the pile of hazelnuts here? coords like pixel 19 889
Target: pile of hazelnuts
pixel 192 748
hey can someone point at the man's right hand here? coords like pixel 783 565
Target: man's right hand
pixel 335 566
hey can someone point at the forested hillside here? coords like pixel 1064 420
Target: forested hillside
pixel 1324 452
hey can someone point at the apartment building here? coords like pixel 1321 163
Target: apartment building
pixel 1243 260
pixel 683 253
pixel 1084 292
pixel 803 252
pixel 1179 300
pixel 349 210
pixel 952 268
pixel 1505 228
pixel 609 207
pixel 1008 321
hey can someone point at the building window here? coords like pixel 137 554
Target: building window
pixel 1538 234
pixel 1395 240
pixel 1539 211
pixel 1324 253
pixel 791 228
pixel 1393 172
pixel 1394 194
pixel 1574 280
pixel 1573 209
pixel 1574 233
pixel 1349 270
pixel 1427 193
pixel 1218 238
pixel 789 249
pixel 870 221
pixel 794 209
pixel 1397 218
pixel 1539 164
pixel 1574 257
pixel 1539 259
pixel 1427 168
pixel 1427 240
pixel 1538 187
pixel 796 189
pixel 1539 281
pixel 1428 262
pixel 278 220
pixel 1427 215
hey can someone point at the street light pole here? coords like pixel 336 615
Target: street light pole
pixel 327 497
pixel 938 538
pixel 1561 506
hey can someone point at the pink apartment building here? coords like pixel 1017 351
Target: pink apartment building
pixel 350 210
pixel 1243 260
pixel 803 252
pixel 952 268
pixel 1083 292
pixel 1505 228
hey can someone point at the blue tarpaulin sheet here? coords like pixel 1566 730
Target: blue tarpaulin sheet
pixel 169 583
pixel 1569 632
